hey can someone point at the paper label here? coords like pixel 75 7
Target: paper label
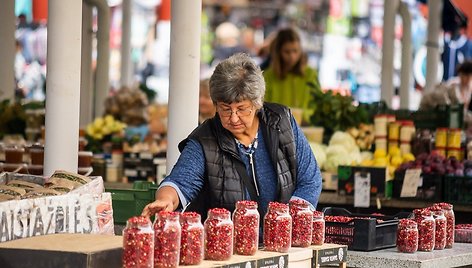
pixel 410 183
pixel 362 189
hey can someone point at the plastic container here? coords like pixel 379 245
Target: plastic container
pixel 85 159
pixel 218 235
pixel 277 228
pixel 138 243
pixel 463 233
pixel 167 239
pixel 426 229
pixel 246 228
pixel 440 231
pixel 450 222
pixel 407 236
pixel 302 216
pixel 362 232
pixel 407 131
pixel 380 125
pixel 405 147
pixel 454 138
pixel 458 153
pixel 394 131
pixel 381 143
pixel 318 228
pixel 36 155
pixel 192 239
pixel 36 170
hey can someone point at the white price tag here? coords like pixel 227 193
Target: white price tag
pixel 362 189
pixel 410 183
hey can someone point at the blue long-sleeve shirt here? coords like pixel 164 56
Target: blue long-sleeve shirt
pixel 187 176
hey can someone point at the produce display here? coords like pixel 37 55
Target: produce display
pixel 318 228
pixel 463 233
pixel 440 231
pixel 277 228
pixel 218 235
pixel 138 243
pixel 246 228
pixel 192 239
pixel 407 236
pixel 302 216
pixel 426 229
pixel 167 232
pixel 450 221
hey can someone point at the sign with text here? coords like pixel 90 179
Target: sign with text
pixel 362 189
pixel 273 262
pixel 331 256
pixel 411 183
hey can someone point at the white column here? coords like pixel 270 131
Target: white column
pixel 126 66
pixel 432 43
pixel 7 49
pixel 86 79
pixel 406 70
pixel 63 80
pixel 184 74
pixel 102 76
pixel 388 39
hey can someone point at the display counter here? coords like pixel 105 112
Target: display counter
pixel 85 250
pixel 460 255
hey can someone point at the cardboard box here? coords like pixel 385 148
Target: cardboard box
pixel 63 250
pixel 86 209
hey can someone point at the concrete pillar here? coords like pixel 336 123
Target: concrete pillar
pixel 126 65
pixel 184 74
pixel 388 39
pixel 86 77
pixel 432 43
pixel 63 81
pixel 102 76
pixel 7 49
pixel 406 70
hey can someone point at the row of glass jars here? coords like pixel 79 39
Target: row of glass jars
pixel 188 242
pixel 431 229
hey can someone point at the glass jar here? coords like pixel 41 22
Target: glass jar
pixel 407 236
pixel 167 239
pixel 302 216
pixel 277 228
pixel 450 223
pixel 218 235
pixel 426 229
pixel 246 228
pixel 318 228
pixel 138 243
pixel 440 232
pixel 191 242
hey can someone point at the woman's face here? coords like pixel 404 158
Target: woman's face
pixel 291 53
pixel 236 117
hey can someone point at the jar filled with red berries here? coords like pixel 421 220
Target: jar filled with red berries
pixel 407 236
pixel 218 235
pixel 167 239
pixel 426 229
pixel 440 232
pixel 277 228
pixel 246 227
pixel 450 222
pixel 138 243
pixel 191 242
pixel 318 228
pixel 302 220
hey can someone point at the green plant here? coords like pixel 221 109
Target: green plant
pixel 335 112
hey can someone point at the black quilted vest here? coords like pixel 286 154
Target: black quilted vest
pixel 223 185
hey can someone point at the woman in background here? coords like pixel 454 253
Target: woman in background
pixel 289 80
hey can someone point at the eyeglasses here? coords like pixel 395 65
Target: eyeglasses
pixel 238 112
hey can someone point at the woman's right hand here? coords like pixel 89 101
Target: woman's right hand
pixel 156 206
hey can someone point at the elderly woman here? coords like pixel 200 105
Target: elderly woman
pixel 250 150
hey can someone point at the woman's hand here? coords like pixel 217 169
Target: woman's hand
pixel 167 199
pixel 156 206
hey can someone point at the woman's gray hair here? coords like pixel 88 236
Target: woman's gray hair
pixel 238 78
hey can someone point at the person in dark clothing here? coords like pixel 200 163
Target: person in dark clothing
pixel 250 150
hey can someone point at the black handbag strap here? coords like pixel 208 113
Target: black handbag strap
pixel 248 183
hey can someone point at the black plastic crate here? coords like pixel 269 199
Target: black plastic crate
pixel 458 189
pixel 365 232
pixel 431 187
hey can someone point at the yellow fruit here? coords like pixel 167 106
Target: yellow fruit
pixel 396 161
pixel 408 157
pixel 379 153
pixel 380 162
pixel 394 151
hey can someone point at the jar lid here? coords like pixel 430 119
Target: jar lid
pixel 407 123
pixel 138 221
pixel 190 215
pixel 246 204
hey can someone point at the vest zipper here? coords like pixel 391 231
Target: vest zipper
pixel 251 162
